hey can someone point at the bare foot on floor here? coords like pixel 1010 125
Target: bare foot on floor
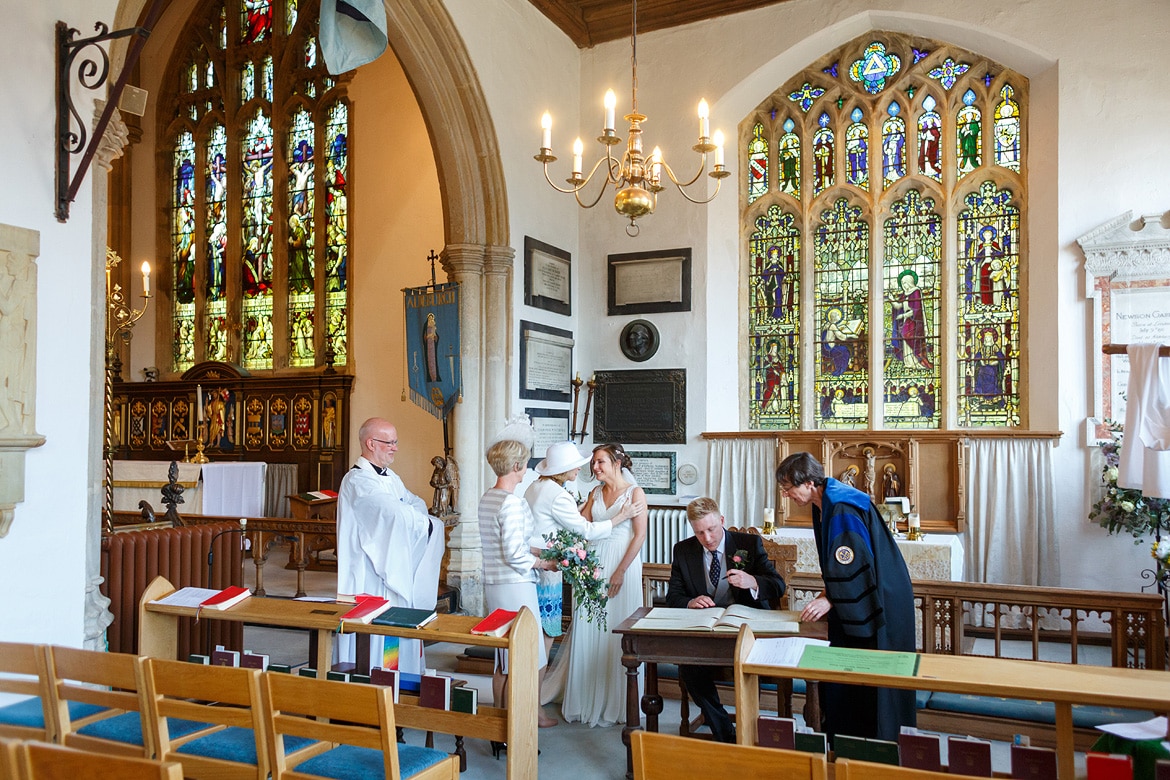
pixel 544 722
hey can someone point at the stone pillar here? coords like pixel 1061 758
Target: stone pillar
pixel 497 338
pixel 464 263
pixel 97 607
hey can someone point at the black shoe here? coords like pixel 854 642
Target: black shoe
pixel 497 748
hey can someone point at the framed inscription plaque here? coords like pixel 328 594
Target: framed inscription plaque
pixel 650 282
pixel 547 277
pixel 550 426
pixel 654 471
pixel 641 406
pixel 546 362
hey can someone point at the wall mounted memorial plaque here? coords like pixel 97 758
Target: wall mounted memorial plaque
pixel 546 362
pixel 641 406
pixel 547 277
pixel 649 282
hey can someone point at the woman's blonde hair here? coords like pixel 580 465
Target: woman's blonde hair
pixel 504 456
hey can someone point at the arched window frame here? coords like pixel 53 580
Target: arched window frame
pixel 923 67
pixel 212 58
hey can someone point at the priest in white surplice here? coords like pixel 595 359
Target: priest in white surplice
pixel 387 544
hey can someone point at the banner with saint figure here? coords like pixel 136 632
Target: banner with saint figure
pixel 432 346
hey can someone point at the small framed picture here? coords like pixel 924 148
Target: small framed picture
pixel 655 471
pixel 551 426
pixel 650 282
pixel 548 282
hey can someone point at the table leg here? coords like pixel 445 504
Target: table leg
pixel 812 704
pixel 324 650
pixel 302 562
pixel 651 701
pixel 633 716
pixel 1065 749
pixel 461 752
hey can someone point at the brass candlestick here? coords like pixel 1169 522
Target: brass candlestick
pixel 199 456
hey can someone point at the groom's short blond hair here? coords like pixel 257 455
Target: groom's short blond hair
pixel 700 508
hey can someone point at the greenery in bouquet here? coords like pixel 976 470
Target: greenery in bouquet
pixel 580 568
pixel 1126 510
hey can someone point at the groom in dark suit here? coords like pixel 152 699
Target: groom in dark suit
pixel 718 568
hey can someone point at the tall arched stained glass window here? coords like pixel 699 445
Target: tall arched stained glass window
pixel 922 270
pixel 774 291
pixel 259 234
pixel 757 156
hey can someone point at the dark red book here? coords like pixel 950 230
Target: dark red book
pixel 254 661
pixel 221 657
pixel 776 732
pixel 435 692
pixel 968 757
pixel 495 624
pixel 1162 770
pixel 921 751
pixel 1033 763
pixel 1111 766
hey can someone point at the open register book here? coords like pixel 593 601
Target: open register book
pixel 762 621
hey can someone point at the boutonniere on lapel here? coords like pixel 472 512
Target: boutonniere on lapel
pixel 740 560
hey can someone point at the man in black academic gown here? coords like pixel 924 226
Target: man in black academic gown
pixel 868 599
pixel 718 568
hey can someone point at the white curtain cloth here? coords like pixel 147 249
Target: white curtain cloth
pixel 280 479
pixel 1011 523
pixel 1145 459
pixel 742 478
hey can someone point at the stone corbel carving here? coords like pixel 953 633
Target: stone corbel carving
pixel 19 248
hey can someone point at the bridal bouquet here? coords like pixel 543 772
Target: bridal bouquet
pixel 580 569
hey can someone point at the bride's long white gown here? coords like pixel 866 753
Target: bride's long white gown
pixel 595 691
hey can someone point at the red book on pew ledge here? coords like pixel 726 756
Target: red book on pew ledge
pixel 1110 766
pixel 226 598
pixel 495 624
pixel 367 608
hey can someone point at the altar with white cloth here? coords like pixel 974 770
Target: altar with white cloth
pixel 935 557
pixel 235 489
pixel 229 489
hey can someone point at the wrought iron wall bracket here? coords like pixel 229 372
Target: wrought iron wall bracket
pixel 92 72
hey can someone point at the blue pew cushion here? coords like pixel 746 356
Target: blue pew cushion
pixel 127 728
pixel 30 714
pixel 348 761
pixel 235 744
pixel 1084 715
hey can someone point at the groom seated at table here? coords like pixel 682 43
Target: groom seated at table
pixel 718 568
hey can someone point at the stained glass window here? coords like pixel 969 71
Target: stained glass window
pixel 757 155
pixel 913 252
pixel 259 233
pixel 841 280
pixel 1007 130
pixel 774 309
pixel 884 274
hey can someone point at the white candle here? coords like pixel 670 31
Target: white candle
pixel 610 104
pixel 718 147
pixel 769 516
pixel 704 112
pixel 914 520
pixel 546 131
pixel 578 150
pixel 145 278
pixel 656 165
pixel 199 400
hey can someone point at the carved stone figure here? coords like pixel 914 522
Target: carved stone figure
pixel 17 345
pixel 849 476
pixel 442 498
pixel 452 475
pixel 891 482
pixel 870 472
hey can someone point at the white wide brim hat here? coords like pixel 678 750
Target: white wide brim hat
pixel 561 457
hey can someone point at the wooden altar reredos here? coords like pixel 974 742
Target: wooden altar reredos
pixel 295 418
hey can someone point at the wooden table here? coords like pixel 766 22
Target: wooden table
pixel 694 648
pixel 1061 684
pixel 514 723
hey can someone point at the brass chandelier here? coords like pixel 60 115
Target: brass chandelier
pixel 636 177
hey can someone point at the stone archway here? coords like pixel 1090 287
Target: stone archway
pixel 475 216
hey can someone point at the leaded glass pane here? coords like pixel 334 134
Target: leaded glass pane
pixel 841 279
pixel 857 150
pixel 930 140
pixel 183 251
pixel 893 145
pixel 209 75
pixel 823 157
pixel 757 154
pixel 989 310
pixel 1007 130
pixel 256 20
pixel 247 81
pixel 774 321
pixel 311 52
pixel 337 230
pixel 219 31
pixel 913 252
pixel 268 78
pixel 789 161
pixel 970 140
pixel 216 226
pixel 290 16
pixel 257 248
pixel 301 239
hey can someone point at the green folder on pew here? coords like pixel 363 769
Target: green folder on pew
pixel 850 659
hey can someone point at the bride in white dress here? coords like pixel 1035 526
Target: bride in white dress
pixel 595 691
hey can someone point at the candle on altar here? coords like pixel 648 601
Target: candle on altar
pixel 199 400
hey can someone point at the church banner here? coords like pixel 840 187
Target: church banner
pixel 432 346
